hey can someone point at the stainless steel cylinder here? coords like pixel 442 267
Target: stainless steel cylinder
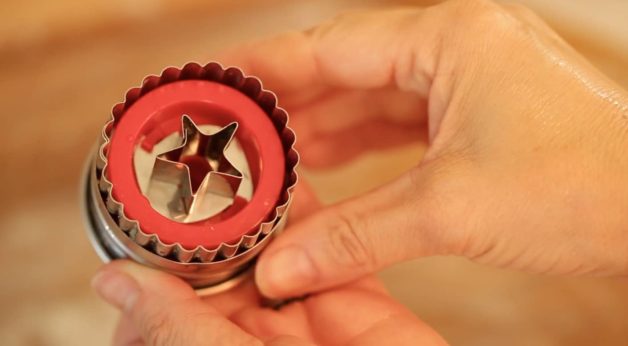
pixel 115 235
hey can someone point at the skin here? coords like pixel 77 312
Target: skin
pixel 525 167
pixel 160 309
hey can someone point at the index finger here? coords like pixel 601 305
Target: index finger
pixel 365 50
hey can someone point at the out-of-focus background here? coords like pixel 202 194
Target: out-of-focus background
pixel 64 63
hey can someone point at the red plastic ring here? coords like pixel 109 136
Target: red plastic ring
pixel 156 115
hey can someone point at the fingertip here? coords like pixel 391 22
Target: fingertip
pixel 149 279
pixel 284 272
pixel 116 287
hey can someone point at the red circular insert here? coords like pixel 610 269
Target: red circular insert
pixel 158 114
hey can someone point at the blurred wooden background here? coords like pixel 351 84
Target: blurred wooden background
pixel 64 63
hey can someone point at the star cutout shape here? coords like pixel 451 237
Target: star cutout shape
pixel 205 181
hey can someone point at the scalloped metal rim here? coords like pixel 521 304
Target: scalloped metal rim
pixel 250 86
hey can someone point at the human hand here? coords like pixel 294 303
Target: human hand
pixel 160 309
pixel 526 163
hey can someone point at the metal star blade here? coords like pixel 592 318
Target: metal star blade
pixel 196 177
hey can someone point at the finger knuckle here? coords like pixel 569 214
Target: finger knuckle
pixel 159 333
pixel 519 9
pixel 443 187
pixel 475 7
pixel 156 324
pixel 484 18
pixel 351 15
pixel 349 245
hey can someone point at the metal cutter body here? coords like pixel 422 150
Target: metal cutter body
pixel 207 250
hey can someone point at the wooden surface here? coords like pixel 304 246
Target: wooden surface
pixel 63 65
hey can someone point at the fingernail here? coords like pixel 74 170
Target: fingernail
pixel 116 288
pixel 285 272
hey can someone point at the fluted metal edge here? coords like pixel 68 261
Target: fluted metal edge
pixel 250 86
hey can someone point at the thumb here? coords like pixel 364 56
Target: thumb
pixel 163 309
pixel 341 243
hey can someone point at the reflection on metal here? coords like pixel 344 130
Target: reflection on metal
pixel 209 267
pixel 194 180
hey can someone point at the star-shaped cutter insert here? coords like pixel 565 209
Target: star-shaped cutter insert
pixel 196 178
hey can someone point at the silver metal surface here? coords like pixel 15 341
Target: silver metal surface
pixel 194 180
pixel 111 243
pixel 114 235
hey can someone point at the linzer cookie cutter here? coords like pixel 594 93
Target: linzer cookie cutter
pixel 192 175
